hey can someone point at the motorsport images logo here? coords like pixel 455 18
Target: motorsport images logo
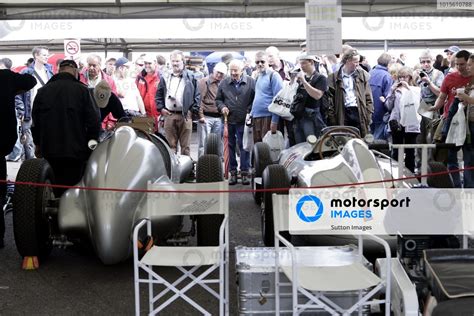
pixel 329 211
pixel 309 208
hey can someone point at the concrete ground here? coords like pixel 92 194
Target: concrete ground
pixel 75 282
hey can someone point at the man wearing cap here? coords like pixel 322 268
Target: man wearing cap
pixel 107 102
pixel 177 98
pixel 209 117
pixel 450 53
pixel 147 82
pixel 65 119
pixel 350 95
pixel 12 84
pixel 311 89
pixel 127 90
pixel 92 74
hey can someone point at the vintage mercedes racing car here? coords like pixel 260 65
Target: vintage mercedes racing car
pixel 338 157
pixel 128 160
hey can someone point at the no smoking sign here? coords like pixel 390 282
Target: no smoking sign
pixel 72 48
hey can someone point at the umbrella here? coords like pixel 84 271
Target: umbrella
pixel 226 148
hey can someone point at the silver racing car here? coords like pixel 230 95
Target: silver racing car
pixel 128 160
pixel 338 157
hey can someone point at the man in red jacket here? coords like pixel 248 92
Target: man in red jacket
pixel 147 82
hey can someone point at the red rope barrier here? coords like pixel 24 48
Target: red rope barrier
pixel 229 191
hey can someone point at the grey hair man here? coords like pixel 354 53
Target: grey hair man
pixel 234 99
pixel 177 98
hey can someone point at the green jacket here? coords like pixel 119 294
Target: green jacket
pixel 363 95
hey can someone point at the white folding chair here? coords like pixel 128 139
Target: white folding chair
pixel 315 281
pixel 186 259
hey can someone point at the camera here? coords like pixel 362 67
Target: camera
pixel 420 82
pixel 295 70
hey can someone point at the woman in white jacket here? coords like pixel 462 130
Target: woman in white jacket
pixel 404 122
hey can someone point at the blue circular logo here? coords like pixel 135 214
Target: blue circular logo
pixel 309 208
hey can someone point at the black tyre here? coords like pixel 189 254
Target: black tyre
pixel 32 228
pixel 260 160
pixel 212 144
pixel 274 176
pixel 209 169
pixel 440 181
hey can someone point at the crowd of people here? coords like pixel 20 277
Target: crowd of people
pixel 58 113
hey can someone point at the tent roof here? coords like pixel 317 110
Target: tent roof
pixel 137 9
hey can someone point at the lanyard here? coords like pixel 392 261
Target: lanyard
pixel 177 87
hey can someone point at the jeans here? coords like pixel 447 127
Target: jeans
pixel 211 125
pixel 17 150
pixel 310 124
pixel 3 193
pixel 28 144
pixel 468 156
pixel 379 130
pixel 454 165
pixel 236 133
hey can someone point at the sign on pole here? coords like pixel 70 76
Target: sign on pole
pixel 323 27
pixel 72 48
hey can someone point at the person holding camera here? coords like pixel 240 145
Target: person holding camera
pixel 177 98
pixel 312 85
pixel 404 124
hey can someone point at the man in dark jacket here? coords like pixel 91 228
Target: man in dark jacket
pixel 234 98
pixel 12 84
pixel 65 119
pixel 177 98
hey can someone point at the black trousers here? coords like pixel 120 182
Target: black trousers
pixel 67 171
pixel 351 117
pixel 402 137
pixel 3 193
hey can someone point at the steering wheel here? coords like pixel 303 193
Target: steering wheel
pixel 329 136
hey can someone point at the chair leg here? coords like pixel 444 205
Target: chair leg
pixel 137 288
pixel 181 293
pixel 150 291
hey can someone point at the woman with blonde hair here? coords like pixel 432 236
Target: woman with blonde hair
pixel 404 122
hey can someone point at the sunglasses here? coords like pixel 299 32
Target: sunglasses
pixel 260 62
pixel 425 62
pixel 141 65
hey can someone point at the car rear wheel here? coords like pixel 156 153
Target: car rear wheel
pixel 31 226
pixel 274 176
pixel 209 169
pixel 260 160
